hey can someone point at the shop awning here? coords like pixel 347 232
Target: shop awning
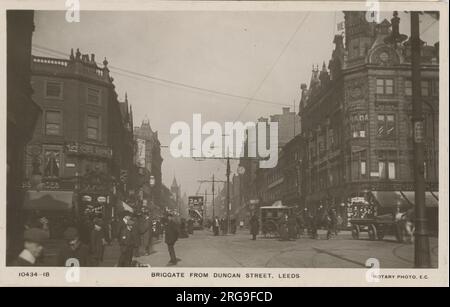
pixel 127 207
pixel 48 200
pixel 390 199
pixel 431 198
pixel 277 204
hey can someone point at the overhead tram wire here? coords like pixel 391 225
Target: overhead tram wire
pixel 273 66
pixel 166 82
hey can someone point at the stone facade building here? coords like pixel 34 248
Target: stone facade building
pixel 22 114
pixel 82 146
pixel 356 119
pixel 149 160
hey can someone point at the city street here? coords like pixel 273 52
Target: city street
pixel 202 249
pixel 102 156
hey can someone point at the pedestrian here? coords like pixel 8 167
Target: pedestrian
pixel 283 228
pixel 225 225
pixel 146 231
pixel 233 225
pixel 171 237
pixel 74 250
pixel 340 222
pixel 222 226
pixel 334 221
pixel 292 227
pixel 33 246
pixel 158 229
pixel 216 226
pixel 300 224
pixel 314 224
pixel 127 242
pixel 136 234
pixel 122 222
pixel 254 226
pixel 190 226
pixel 98 242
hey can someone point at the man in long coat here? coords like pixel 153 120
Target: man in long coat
pixel 292 227
pixel 146 231
pixel 254 226
pixel 171 237
pixel 128 240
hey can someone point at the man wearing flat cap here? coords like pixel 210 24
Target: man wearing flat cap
pixel 33 246
pixel 128 241
pixel 74 253
pixel 97 242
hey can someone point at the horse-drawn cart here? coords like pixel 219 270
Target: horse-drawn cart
pixel 377 227
pixel 271 217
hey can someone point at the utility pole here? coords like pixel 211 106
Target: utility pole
pixel 214 212
pixel 421 242
pixel 204 211
pixel 213 181
pixel 228 173
pixel 228 194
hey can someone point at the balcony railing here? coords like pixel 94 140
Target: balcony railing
pixel 50 61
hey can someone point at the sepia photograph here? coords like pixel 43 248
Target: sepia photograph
pixel 225 138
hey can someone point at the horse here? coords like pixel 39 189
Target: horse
pixel 322 220
pixel 408 224
pixel 405 225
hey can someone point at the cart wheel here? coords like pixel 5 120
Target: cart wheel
pixel 355 232
pixel 270 229
pixel 399 233
pixel 372 230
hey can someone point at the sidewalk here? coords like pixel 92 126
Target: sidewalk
pixel 110 257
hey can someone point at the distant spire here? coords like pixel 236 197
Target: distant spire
pixel 174 182
pixel 126 97
pixel 146 121
pixel 324 67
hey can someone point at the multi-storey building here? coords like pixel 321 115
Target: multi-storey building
pixel 83 139
pixel 22 113
pixel 291 165
pixel 149 160
pixel 356 119
pixel 237 209
pixel 288 125
pixel 269 183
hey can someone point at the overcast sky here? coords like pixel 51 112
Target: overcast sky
pixel 252 54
